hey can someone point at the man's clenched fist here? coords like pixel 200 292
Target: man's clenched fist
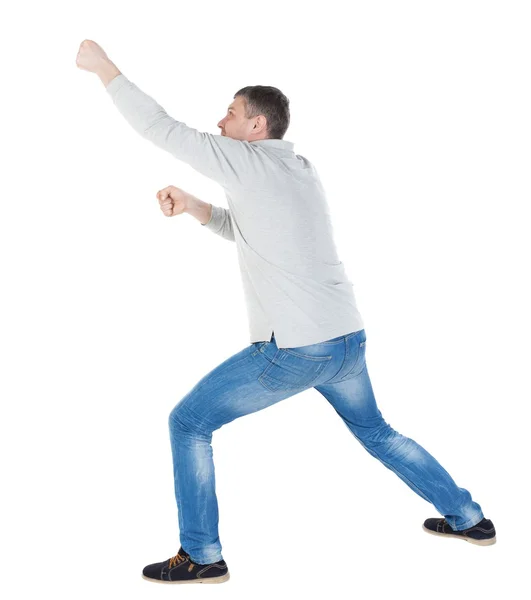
pixel 173 201
pixel 91 56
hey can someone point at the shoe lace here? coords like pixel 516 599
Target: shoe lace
pixel 175 560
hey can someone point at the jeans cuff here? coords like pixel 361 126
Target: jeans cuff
pixel 470 523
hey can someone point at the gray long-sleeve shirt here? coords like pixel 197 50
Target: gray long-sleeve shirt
pixel 293 281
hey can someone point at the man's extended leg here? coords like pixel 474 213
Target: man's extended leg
pixel 353 399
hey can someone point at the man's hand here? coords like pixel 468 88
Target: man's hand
pixel 91 57
pixel 173 201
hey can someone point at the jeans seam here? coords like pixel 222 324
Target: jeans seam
pixel 351 372
pixel 345 357
pixel 307 356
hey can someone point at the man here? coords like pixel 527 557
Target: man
pixel 305 328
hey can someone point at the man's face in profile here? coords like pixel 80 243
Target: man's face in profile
pixel 237 126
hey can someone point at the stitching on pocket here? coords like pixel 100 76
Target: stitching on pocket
pixel 307 356
pixel 277 384
pixel 350 374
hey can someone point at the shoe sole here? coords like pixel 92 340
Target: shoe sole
pixel 220 579
pixel 487 542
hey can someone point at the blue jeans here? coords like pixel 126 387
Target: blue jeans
pixel 261 375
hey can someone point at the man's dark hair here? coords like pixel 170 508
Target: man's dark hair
pixel 270 102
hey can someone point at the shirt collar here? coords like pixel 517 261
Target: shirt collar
pixel 275 143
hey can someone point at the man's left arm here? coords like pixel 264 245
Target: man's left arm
pixel 221 158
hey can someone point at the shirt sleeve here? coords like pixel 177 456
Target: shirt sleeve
pixel 221 222
pixel 220 158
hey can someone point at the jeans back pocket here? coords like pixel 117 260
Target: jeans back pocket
pixel 355 361
pixel 290 370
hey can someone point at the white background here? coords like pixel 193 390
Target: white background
pixel 417 117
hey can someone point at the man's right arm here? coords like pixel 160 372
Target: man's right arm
pixel 215 218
